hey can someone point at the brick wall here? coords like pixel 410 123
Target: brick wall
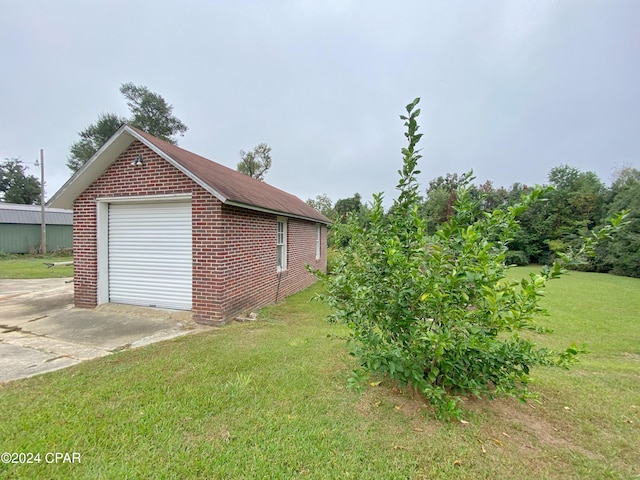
pixel 248 274
pixel 234 249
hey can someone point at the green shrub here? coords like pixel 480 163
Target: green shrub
pixel 438 312
pixel 516 257
pixel 333 257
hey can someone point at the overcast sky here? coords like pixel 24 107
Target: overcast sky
pixel 509 88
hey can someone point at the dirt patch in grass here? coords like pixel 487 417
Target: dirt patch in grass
pixel 634 357
pixel 526 430
pixel 522 424
pixel 383 399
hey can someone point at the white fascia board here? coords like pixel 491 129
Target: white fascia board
pixel 92 169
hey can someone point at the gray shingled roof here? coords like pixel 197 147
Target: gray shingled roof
pixel 30 214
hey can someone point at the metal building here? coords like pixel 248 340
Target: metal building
pixel 20 228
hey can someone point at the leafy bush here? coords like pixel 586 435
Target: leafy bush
pixel 438 312
pixel 516 257
pixel 333 256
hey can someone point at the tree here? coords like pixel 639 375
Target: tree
pixel 575 207
pixel 345 206
pixel 439 312
pixel 15 185
pixel 622 254
pixel 256 162
pixel 441 196
pixel 577 199
pixel 149 112
pixel 323 204
pixel 92 138
pixel 491 197
pixel 530 240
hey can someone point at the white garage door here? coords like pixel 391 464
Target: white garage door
pixel 150 254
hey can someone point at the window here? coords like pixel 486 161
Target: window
pixel 318 233
pixel 281 244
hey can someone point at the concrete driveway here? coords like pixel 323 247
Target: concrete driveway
pixel 41 331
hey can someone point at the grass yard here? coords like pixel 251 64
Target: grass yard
pixel 30 266
pixel 268 399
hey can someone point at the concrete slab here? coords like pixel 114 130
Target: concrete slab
pixel 13 287
pixel 19 362
pixel 41 331
pixel 54 346
pixel 23 301
pixel 103 329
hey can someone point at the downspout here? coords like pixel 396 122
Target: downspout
pixel 278 288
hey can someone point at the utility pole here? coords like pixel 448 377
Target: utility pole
pixel 43 222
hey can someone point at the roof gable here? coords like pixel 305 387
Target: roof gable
pixel 229 186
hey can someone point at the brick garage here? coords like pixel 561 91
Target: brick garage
pixel 245 244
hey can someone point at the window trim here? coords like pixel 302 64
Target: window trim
pixel 281 243
pixel 318 241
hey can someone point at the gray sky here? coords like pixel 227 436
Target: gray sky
pixel 509 88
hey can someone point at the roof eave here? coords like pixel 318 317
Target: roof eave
pixel 114 147
pixel 274 212
pixel 92 169
pixel 104 157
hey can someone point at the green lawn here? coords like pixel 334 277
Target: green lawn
pixel 268 399
pixel 30 266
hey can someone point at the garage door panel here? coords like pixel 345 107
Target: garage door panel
pixel 150 254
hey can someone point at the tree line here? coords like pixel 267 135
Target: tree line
pixel 576 204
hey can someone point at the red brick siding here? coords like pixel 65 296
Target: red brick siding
pixel 85 266
pixel 234 251
pixel 248 245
